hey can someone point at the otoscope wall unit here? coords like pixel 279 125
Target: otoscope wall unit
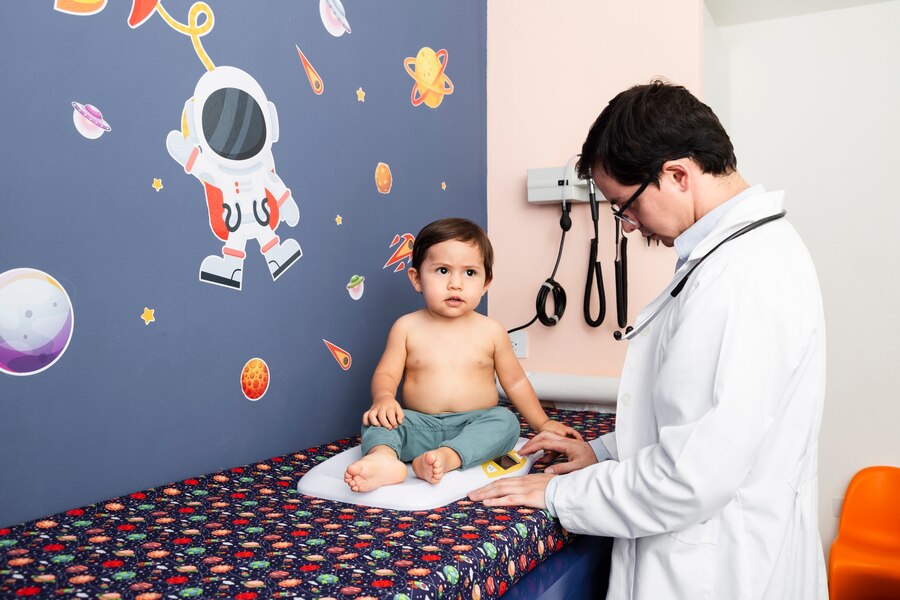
pixel 555 184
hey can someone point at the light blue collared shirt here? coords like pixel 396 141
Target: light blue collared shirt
pixel 693 235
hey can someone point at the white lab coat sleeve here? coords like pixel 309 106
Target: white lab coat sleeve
pixel 730 349
pixel 603 448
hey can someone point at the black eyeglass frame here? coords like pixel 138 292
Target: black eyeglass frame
pixel 620 212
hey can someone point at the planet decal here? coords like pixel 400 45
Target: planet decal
pixel 79 7
pixel 384 180
pixel 340 355
pixel 36 321
pixel 89 120
pixel 355 287
pixel 255 379
pixel 432 84
pixel 333 17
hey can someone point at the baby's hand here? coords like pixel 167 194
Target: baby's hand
pixel 560 429
pixel 384 413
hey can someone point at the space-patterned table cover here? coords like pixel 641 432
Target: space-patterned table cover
pixel 246 533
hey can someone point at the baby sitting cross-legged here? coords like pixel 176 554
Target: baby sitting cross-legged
pixel 447 355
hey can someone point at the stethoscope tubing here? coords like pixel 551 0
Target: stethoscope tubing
pixel 680 285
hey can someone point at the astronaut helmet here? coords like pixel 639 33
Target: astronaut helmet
pixel 231 116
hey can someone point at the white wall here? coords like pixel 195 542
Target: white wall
pixel 716 82
pixel 815 110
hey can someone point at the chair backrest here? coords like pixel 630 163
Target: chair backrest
pixel 871 511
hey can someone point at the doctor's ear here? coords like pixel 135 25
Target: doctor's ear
pixel 679 172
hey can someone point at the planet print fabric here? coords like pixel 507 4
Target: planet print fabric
pixel 246 533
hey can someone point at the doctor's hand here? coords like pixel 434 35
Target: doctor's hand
pixel 514 491
pixel 579 453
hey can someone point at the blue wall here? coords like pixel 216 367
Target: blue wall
pixel 131 405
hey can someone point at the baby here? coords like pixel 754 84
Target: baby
pixel 447 355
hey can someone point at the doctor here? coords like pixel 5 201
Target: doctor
pixel 711 491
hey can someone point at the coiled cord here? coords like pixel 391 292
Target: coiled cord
pixel 551 286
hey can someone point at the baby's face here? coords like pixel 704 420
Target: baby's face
pixel 451 278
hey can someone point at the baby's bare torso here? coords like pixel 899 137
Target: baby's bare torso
pixel 449 365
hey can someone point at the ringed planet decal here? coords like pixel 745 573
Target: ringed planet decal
pixel 89 120
pixel 356 287
pixel 432 84
pixel 333 17
pixel 340 355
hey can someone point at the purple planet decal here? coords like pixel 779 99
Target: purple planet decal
pixel 333 17
pixel 36 321
pixel 89 120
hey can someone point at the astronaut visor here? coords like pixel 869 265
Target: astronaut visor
pixel 233 124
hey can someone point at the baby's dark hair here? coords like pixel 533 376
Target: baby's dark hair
pixel 454 228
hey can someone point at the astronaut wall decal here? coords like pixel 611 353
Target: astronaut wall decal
pixel 227 131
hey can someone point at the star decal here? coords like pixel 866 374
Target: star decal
pixel 338 220
pixel 157 184
pixel 360 95
pixel 147 315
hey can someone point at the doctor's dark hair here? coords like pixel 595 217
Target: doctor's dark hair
pixel 647 125
pixel 459 229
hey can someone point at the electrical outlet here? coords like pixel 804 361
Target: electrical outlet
pixel 519 341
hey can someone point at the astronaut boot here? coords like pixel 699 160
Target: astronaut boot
pixel 280 256
pixel 222 270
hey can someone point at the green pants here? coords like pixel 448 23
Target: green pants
pixel 476 435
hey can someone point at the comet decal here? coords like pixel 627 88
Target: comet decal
pixel 340 355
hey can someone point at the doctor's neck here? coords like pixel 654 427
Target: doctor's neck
pixel 715 190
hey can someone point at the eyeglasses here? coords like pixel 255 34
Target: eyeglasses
pixel 619 213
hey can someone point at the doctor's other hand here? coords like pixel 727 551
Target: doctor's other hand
pixel 384 413
pixel 560 429
pixel 579 453
pixel 514 491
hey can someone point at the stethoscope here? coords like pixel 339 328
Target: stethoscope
pixel 680 285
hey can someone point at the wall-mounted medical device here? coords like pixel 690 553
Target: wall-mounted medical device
pixel 555 184
pixel 561 185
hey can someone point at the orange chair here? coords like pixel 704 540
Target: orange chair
pixel 865 557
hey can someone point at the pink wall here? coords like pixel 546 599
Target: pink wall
pixel 552 67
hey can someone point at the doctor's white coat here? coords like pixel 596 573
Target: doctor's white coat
pixel 714 491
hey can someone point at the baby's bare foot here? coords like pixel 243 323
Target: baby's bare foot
pixel 373 471
pixel 429 466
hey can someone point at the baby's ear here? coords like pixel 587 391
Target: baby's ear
pixel 487 284
pixel 413 275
